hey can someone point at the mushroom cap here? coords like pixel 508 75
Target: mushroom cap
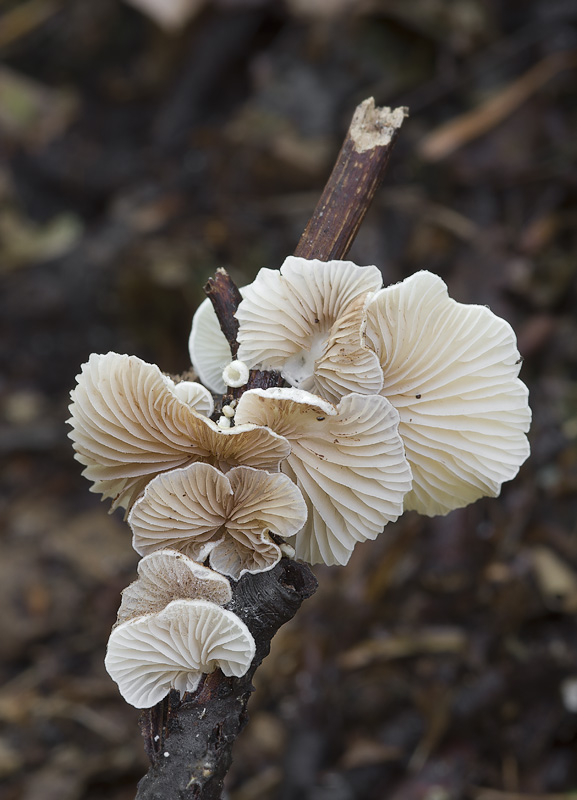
pixel 347 460
pixel 235 374
pixel 451 372
pixel 226 518
pixel 209 350
pixel 167 575
pixel 172 649
pixel 128 425
pixel 307 321
pixel 193 395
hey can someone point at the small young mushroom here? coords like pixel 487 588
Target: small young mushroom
pixel 451 371
pixel 307 322
pixel 167 575
pixel 228 518
pixel 128 425
pixel 172 649
pixel 235 374
pixel 348 461
pixel 209 350
pixel 193 395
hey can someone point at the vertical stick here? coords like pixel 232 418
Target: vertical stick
pixel 190 739
pixel 350 189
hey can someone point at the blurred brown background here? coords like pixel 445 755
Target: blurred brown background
pixel 135 159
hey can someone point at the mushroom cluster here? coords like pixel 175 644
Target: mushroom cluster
pixel 395 398
pixel 416 397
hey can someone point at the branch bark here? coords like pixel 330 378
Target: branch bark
pixel 350 189
pixel 225 297
pixel 189 740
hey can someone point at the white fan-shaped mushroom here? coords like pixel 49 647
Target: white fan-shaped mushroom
pixel 167 575
pixel 307 321
pixel 226 518
pixel 172 649
pixel 451 372
pixel 348 461
pixel 209 350
pixel 194 395
pixel 128 425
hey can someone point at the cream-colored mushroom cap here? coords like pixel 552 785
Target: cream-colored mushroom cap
pixel 208 348
pixel 192 394
pixel 451 372
pixel 128 425
pixel 167 575
pixel 307 321
pixel 347 460
pixel 228 518
pixel 172 649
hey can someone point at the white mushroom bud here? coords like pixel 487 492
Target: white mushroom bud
pixel 287 550
pixel 208 347
pixel 147 656
pixel 235 374
pixel 167 575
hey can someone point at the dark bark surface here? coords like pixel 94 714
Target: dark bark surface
pixel 350 189
pixel 189 740
pixel 225 298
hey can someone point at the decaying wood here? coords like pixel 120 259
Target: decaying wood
pixel 350 189
pixel 225 297
pixel 189 740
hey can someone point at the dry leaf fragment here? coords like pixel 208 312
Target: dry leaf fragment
pixel 557 581
pixel 457 132
pixel 428 640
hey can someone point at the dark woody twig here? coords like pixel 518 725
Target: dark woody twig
pixel 350 189
pixel 189 741
pixel 198 731
pixel 225 298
